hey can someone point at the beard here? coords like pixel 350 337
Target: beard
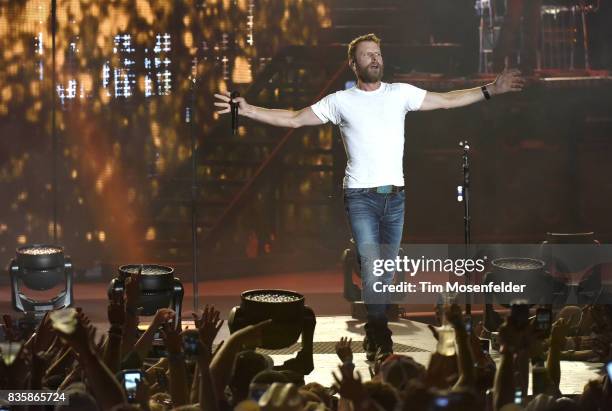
pixel 369 74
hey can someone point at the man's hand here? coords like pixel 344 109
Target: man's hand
pixel 223 101
pixel 343 349
pixel 507 81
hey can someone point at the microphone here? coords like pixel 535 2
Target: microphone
pixel 234 108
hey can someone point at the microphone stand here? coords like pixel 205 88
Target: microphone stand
pixel 234 111
pixel 54 138
pixel 463 195
pixel 189 118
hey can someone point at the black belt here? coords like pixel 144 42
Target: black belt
pixel 386 189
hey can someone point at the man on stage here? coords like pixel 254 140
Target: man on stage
pixel 371 120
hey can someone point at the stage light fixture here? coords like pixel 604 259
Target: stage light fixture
pixel 578 263
pixel 290 319
pixel 159 288
pixel 285 308
pixel 40 267
pixel 518 271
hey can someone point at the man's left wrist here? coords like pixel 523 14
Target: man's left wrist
pixel 492 89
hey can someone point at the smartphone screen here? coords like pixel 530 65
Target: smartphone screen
pixel 191 344
pixel 257 390
pixel 441 402
pixel 468 324
pixel 518 396
pixel 609 369
pixel 543 319
pixel 130 383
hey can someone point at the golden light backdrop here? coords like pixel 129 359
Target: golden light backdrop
pixel 122 88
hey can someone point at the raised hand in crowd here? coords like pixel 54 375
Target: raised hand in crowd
pixel 350 387
pixel 208 325
pixel 518 345
pixel 132 311
pixel 465 361
pixel 116 311
pixel 222 362
pixel 132 289
pixel 19 370
pixel 144 343
pixel 511 340
pixel 343 349
pixel 80 340
pixel 44 335
pixel 116 319
pixel 559 331
pixel 442 371
pixel 250 336
pixel 179 387
pixel 103 384
pixel 143 394
pixel 206 392
pixel 11 333
pixel 39 365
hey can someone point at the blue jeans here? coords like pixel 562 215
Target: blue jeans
pixel 376 222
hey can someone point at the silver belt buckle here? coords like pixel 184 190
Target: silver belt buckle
pixel 384 189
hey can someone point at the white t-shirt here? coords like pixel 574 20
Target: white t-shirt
pixel 372 128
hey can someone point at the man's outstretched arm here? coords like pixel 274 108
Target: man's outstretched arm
pixel 274 117
pixel 507 81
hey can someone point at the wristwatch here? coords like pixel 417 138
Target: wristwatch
pixel 485 92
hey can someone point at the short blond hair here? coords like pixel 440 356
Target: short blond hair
pixel 353 45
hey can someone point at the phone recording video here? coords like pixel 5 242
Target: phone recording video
pixel 468 324
pixel 130 379
pixel 257 390
pixel 518 396
pixel 446 401
pixel 191 343
pixel 543 319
